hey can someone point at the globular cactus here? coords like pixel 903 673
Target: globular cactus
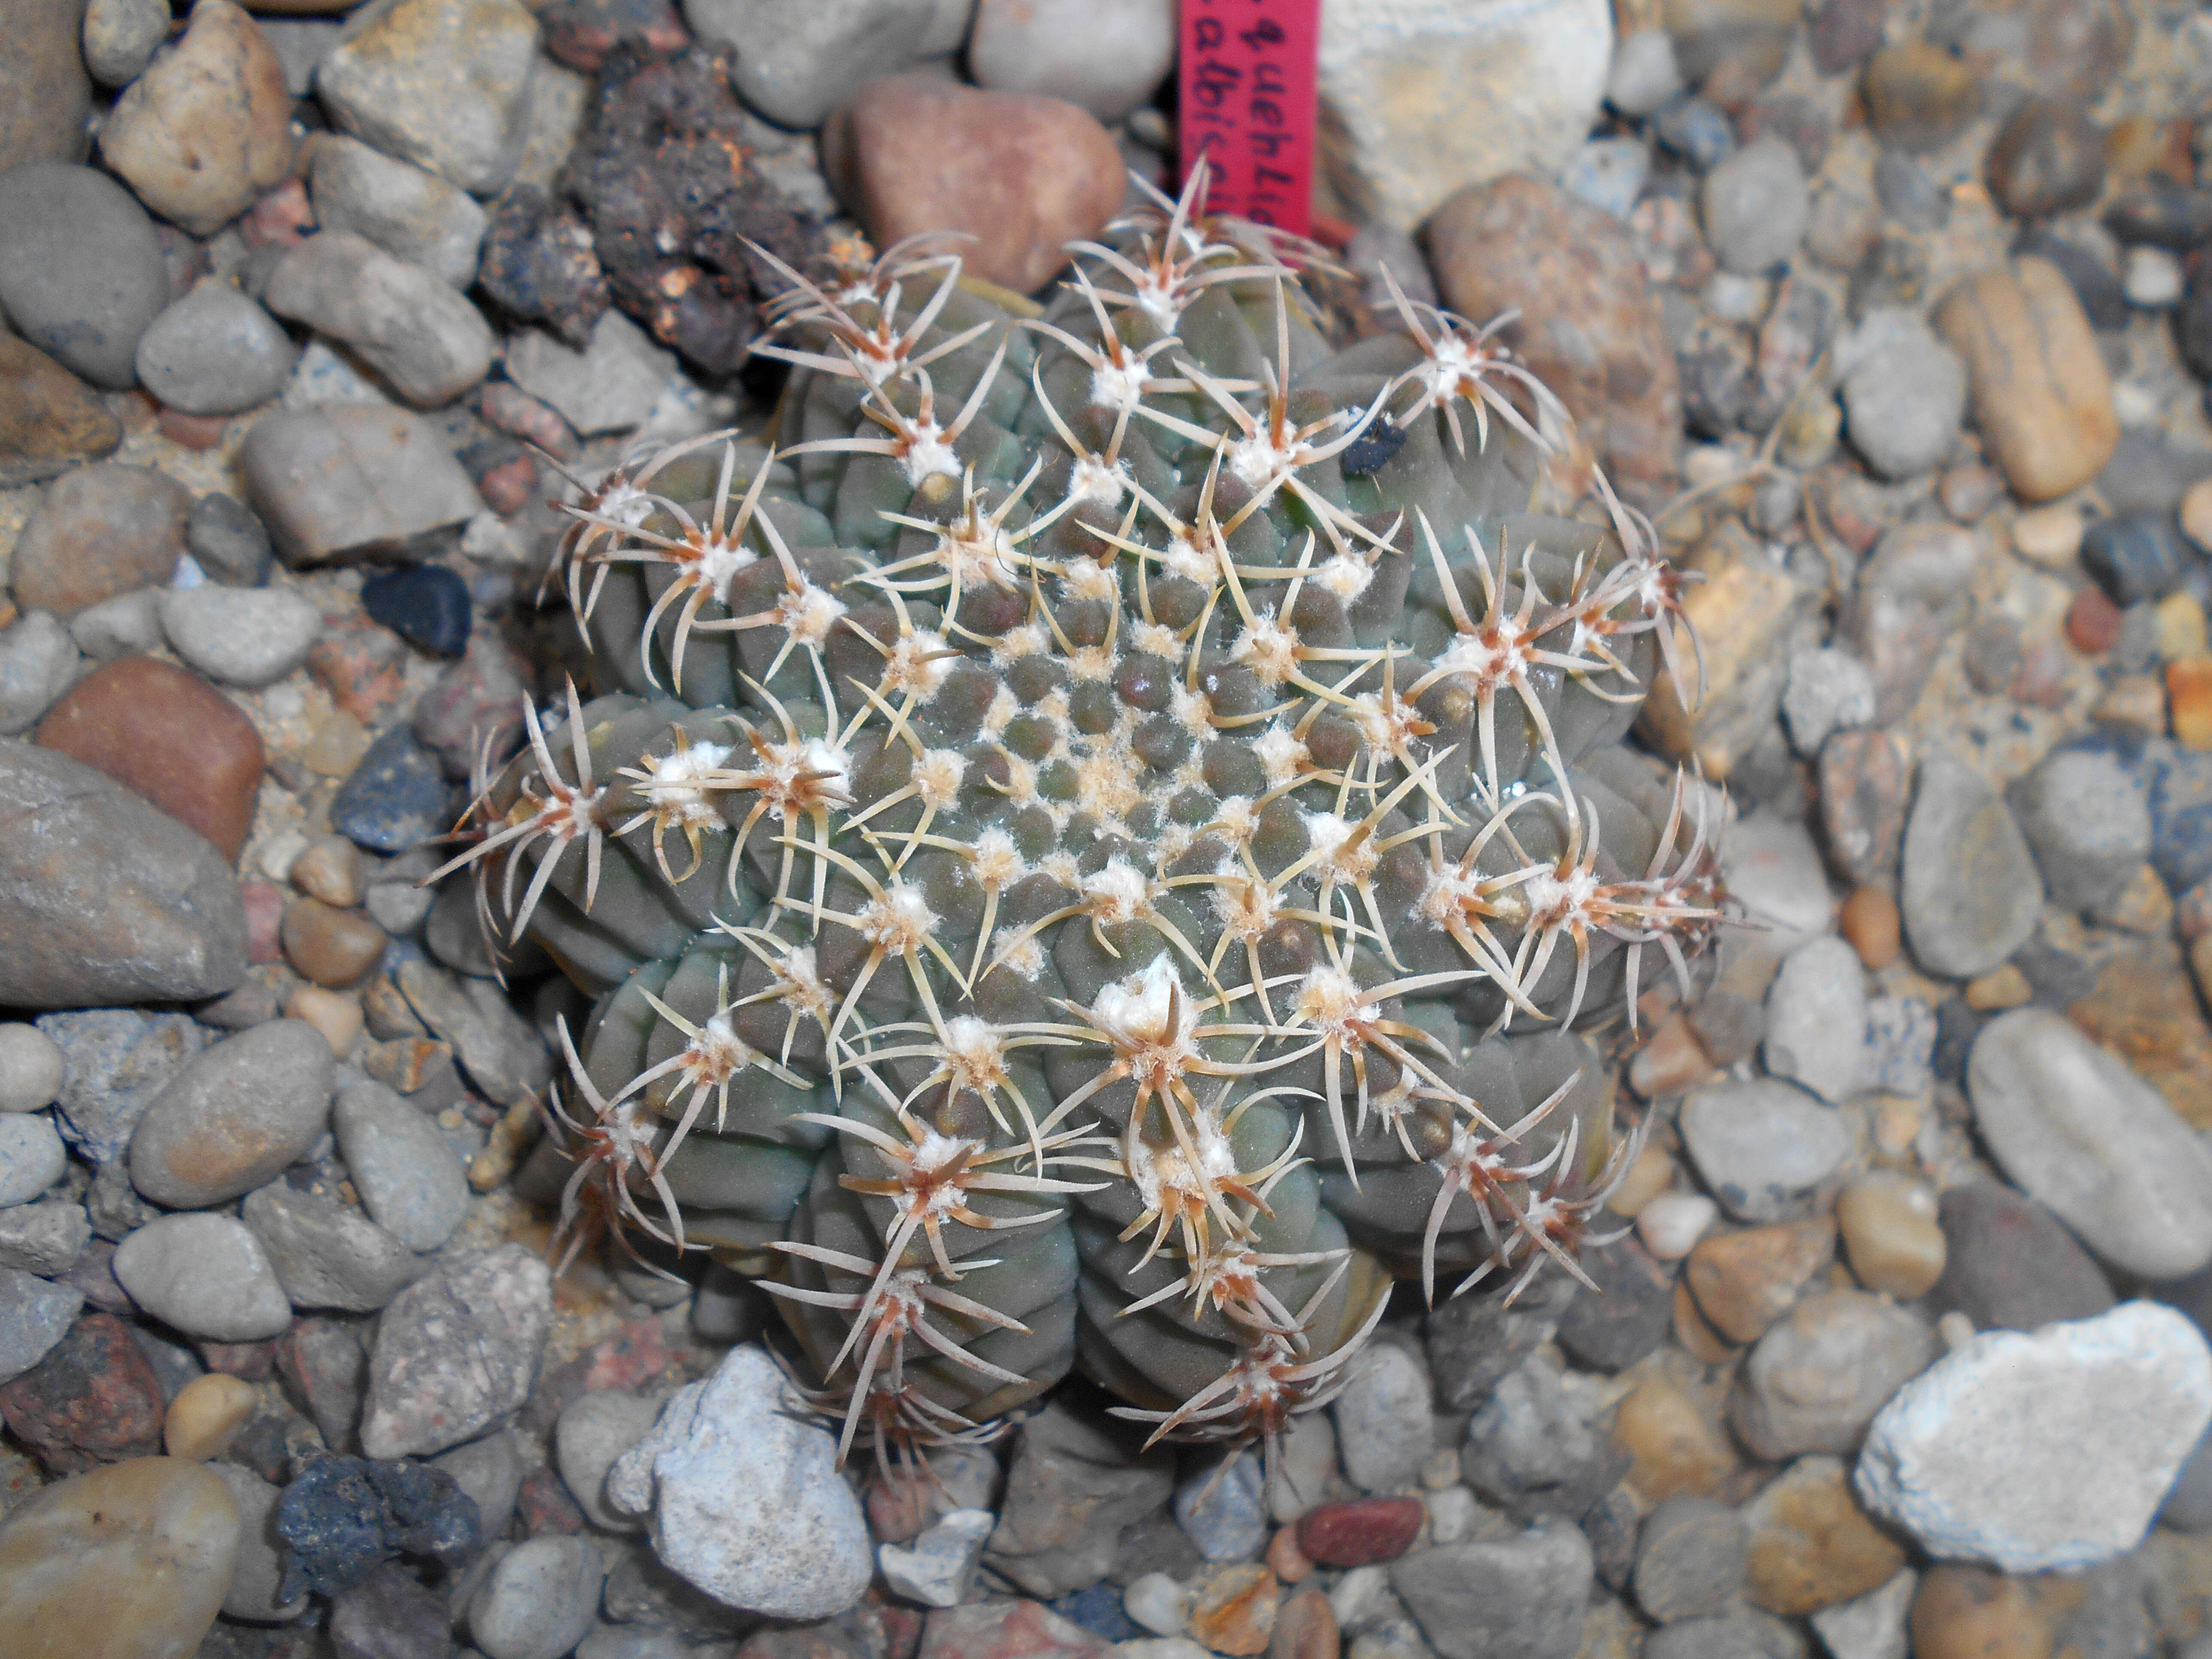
pixel 1097 833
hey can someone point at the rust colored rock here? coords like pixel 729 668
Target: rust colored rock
pixel 263 903
pixel 1234 1610
pixel 92 1399
pixel 581 33
pixel 358 662
pixel 1811 1545
pixel 544 1505
pixel 2042 394
pixel 170 736
pixel 1023 175
pixel 1590 325
pixel 2093 623
pixel 1743 1282
pixel 1863 779
pixel 1871 922
pixel 333 948
pixel 1359 1532
pixel 50 420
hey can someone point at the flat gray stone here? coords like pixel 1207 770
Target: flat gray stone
pixel 456 1351
pixel 591 1432
pixel 410 214
pixel 539 1601
pixel 609 386
pixel 1870 1626
pixel 795 66
pixel 1816 1020
pixel 409 1177
pixel 33 1316
pixel 1970 891
pixel 82 273
pixel 2088 822
pixel 1763 1146
pixel 242 636
pixel 215 352
pixel 442 83
pixel 32 1157
pixel 1383 1428
pixel 501 1051
pixel 340 484
pixel 205 1274
pixel 258 1573
pixel 1815 1379
pixel 38 661
pixel 45 1239
pixel 1521 1597
pixel 128 625
pixel 403 321
pixel 326 1256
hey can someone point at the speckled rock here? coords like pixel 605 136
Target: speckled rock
pixel 81 273
pixel 455 1352
pixel 1518 1597
pixel 1382 1432
pixel 1816 1020
pixel 120 36
pixel 442 83
pixel 1815 1380
pixel 99 532
pixel 409 1178
pixel 1970 892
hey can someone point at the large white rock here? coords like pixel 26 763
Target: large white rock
pixel 2077 1129
pixel 2043 1450
pixel 745 1502
pixel 1422 97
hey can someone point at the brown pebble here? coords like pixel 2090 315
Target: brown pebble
pixel 407 1064
pixel 2133 700
pixel 330 870
pixel 1357 1532
pixel 2004 987
pixel 200 432
pixel 1670 1062
pixel 1869 920
pixel 506 489
pixel 1672 1449
pixel 1695 1333
pixel 358 662
pixel 1971 1612
pixel 263 903
pixel 2189 700
pixel 334 948
pixel 1811 1545
pixel 1743 1282
pixel 1918 95
pixel 166 733
pixel 1234 1611
pixel 1890 1235
pixel 1305 1628
pixel 99 532
pixel 2093 623
pixel 206 1415
pixel 2042 394
pixel 336 1014
pixel 1285 1558
pixel 2048 157
pixel 2197 514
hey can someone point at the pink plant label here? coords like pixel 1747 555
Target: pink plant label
pixel 1247 106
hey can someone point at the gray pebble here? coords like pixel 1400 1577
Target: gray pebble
pixel 502 1052
pixel 1904 395
pixel 1522 1597
pixel 1762 1145
pixel 45 1239
pixel 2189 1505
pixel 402 320
pixel 38 661
pixel 456 1351
pixel 1226 1518
pixel 634 1642
pixel 1829 690
pixel 1105 59
pixel 33 1316
pixel 795 67
pixel 411 214
pixel 593 1431
pixel 609 386
pixel 1970 892
pixel 205 1275
pixel 490 1471
pixel 300 44
pixel 32 1157
pixel 238 1116
pixel 1532 1436
pixel 1870 1626
pixel 31 1068
pixel 1643 76
pixel 539 1601
pixel 117 1060
pixel 337 483
pixel 1690 1559
pixel 409 1178
pixel 326 1256
pixel 258 1571
pixel 1756 207
pixel 1815 1380
pixel 120 36
pixel 228 542
pixel 215 352
pixel 1816 1020
pixel 243 636
pixel 1608 173
pixel 80 270
pixel 2088 822
pixel 1707 1639
pixel 128 625
pixel 1382 1420
pixel 445 86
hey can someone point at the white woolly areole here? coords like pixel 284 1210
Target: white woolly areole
pixel 937 777
pixel 1136 1009
pixel 681 782
pixel 1092 482
pixel 1119 385
pixel 1280 753
pixel 713 564
pixel 1120 893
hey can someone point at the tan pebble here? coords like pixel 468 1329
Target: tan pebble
pixel 1671 1224
pixel 330 870
pixel 1672 1449
pixel 206 1412
pixel 130 1561
pixel 2189 700
pixel 2143 907
pixel 1743 1282
pixel 1305 1628
pixel 1695 1333
pixel 1440 1473
pixel 2002 987
pixel 336 1014
pixel 1670 1062
pixel 502 1148
pixel 1972 1613
pixel 1234 1611
pixel 2042 394
pixel 2133 700
pixel 2181 627
pixel 1896 1126
pixel 1890 1234
pixel 332 947
pixel 2049 536
pixel 1869 920
pixel 1811 1545
pixel 2197 514
pixel 1285 1558
pixel 1652 1174
pixel 335 744
pixel 1955 1330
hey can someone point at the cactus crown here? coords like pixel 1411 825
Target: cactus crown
pixel 1094 834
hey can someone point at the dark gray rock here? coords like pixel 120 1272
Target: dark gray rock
pixel 396 798
pixel 1626 1317
pixel 33 1316
pixel 1473 1340
pixel 403 321
pixel 326 1256
pixel 1512 1598
pixel 227 542
pixel 81 267
pixel 1690 1559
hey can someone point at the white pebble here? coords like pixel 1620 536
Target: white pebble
pixel 1157 1604
pixel 31 1069
pixel 1671 1224
pixel 2153 276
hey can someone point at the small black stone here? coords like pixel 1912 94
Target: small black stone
pixel 1365 454
pixel 2103 299
pixel 344 1517
pixel 2136 556
pixel 2162 213
pixel 1097 1610
pixel 396 798
pixel 426 605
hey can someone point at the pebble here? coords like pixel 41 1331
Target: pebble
pixel 1671 1224
pixel 235 1117
pixel 120 36
pixel 341 1516
pixel 1763 1146
pixel 1522 1595
pixel 414 216
pixel 395 798
pixel 1756 206
pixel 938 1569
pixel 1305 1628
pixel 1811 1545
pixel 1905 398
pixel 130 1561
pixel 1869 1627
pixel 1697 130
pixel 1024 1630
pixel 426 605
pixel 1071 1490
pixel 1828 689
pixel 455 1351
pixel 205 1275
pixel 611 386
pixel 1815 1380
pixel 2047 158
pixel 1383 1433
pixel 1970 891
pixel 403 321
pixel 743 1501
pixel 2136 556
pixel 1909 192
pixel 2088 824
pixel 1608 173
pixel 32 1157
pixel 1961 1611
pixel 1574 272
pixel 2152 278
pixel 2042 395
pixel 1671 1446
pixel 31 1068
pixel 208 127
pixel 1732 1637
pixel 1690 1559
pixel 99 532
pixel 1626 1317
pixel 503 1055
pixel 1918 95
pixel 336 1014
pixel 539 1601
pixel 1816 1021
pixel 488 1472
pixel 1226 1518
pixel 206 1416
pixel 1743 1282
pixel 107 900
pixel 1359 1532
pixel 93 1397
pixel 1298 1478
pixel 1643 77
pixel 34 1316
pixel 332 948
pixel 2120 1401
pixel 1233 1612
pixel 125 626
pixel 390 1615
pixel 2084 1135
pixel 1891 1234
pixel 326 1254
pixel 49 421
pixel 593 1431
pixel 409 1180
pixel 1157 1602
pixel 242 636
pixel 331 870
pixel 1021 175
pixel 81 274
pixel 2010 1265
pixel 215 352
pixel 796 72
pixel 1773 871
pixel 38 660
pixel 227 542
pixel 1869 920
pixel 343 482
pixel 443 84
pixel 1107 60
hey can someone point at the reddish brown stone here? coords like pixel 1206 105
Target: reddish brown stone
pixel 263 903
pixel 357 662
pixel 166 733
pixel 92 1399
pixel 1359 1532
pixel 581 33
pixel 1007 1630
pixel 282 218
pixel 634 1355
pixel 50 420
pixel 544 1504
pixel 251 1360
pixel 1023 175
pixel 2093 623
pixel 515 412
pixel 506 489
pixel 1590 323
pixel 193 431
pixel 1861 779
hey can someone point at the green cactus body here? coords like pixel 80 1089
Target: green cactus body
pixel 1127 796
